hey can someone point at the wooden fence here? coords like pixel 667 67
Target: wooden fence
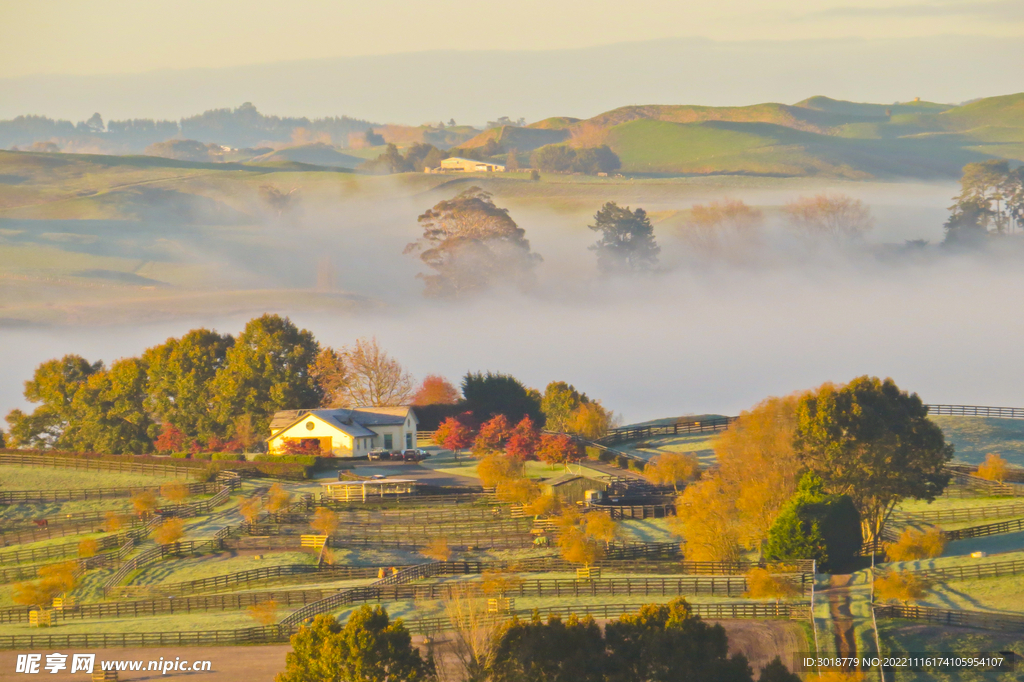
pixel 104 640
pixel 996 511
pixel 682 426
pixel 727 611
pixel 15 496
pixel 976 411
pixel 983 486
pixel 997 569
pixel 173 605
pixel 37 554
pixel 244 579
pixel 958 618
pixel 71 462
pixel 1012 526
pixel 280 632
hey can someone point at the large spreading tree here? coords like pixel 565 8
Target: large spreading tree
pixel 873 442
pixel 267 369
pixel 181 373
pixel 472 245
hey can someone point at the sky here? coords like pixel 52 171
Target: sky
pixel 95 37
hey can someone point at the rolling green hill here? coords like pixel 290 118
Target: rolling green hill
pixel 315 154
pixel 819 136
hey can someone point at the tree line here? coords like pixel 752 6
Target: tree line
pixel 991 201
pixel 808 476
pixel 212 392
pixel 243 126
pixel 657 643
pixel 472 245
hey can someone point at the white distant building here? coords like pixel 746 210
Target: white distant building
pixel 457 164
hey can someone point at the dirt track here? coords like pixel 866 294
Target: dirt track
pixel 759 641
pixel 241 663
pixel 762 640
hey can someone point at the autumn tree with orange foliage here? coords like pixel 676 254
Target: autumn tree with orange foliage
pixel 524 440
pixel 250 508
pixel 672 468
pixel 452 434
pixel 143 503
pixel 175 491
pixel 492 435
pixel 900 586
pixel 324 521
pixel 278 498
pixel 707 519
pixel 994 468
pixel 169 531
pixel 264 613
pixel 758 471
pixel 437 549
pixel 758 464
pixel 761 584
pixel 88 548
pixel 435 390
pixel 914 545
pixel 557 449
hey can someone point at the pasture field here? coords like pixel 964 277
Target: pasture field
pixel 647 530
pixel 975 437
pixel 700 444
pixel 996 595
pixel 445 462
pixel 37 478
pixel 24 511
pixel 907 637
pixel 197 567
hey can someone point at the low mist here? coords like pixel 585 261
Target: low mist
pixel 707 333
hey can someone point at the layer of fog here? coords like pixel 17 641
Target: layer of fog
pixel 700 337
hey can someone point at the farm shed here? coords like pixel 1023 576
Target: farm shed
pixel 349 491
pixel 572 487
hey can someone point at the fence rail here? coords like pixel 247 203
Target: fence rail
pixel 681 426
pixel 242 579
pixel 997 569
pixel 976 411
pixel 961 514
pixel 730 611
pixel 967 619
pixel 14 496
pixel 57 462
pixel 980 485
pixel 999 528
pixel 101 640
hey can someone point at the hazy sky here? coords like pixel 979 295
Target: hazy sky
pixel 120 36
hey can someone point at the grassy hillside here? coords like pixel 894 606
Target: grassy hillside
pixel 315 154
pixel 521 139
pixel 818 136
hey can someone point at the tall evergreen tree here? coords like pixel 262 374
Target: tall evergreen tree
pixel 627 241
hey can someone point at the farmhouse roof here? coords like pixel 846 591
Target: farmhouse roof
pixel 563 479
pixel 353 422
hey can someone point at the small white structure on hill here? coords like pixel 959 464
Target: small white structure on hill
pixel 457 164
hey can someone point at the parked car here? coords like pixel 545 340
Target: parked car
pixel 414 455
pixel 379 454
